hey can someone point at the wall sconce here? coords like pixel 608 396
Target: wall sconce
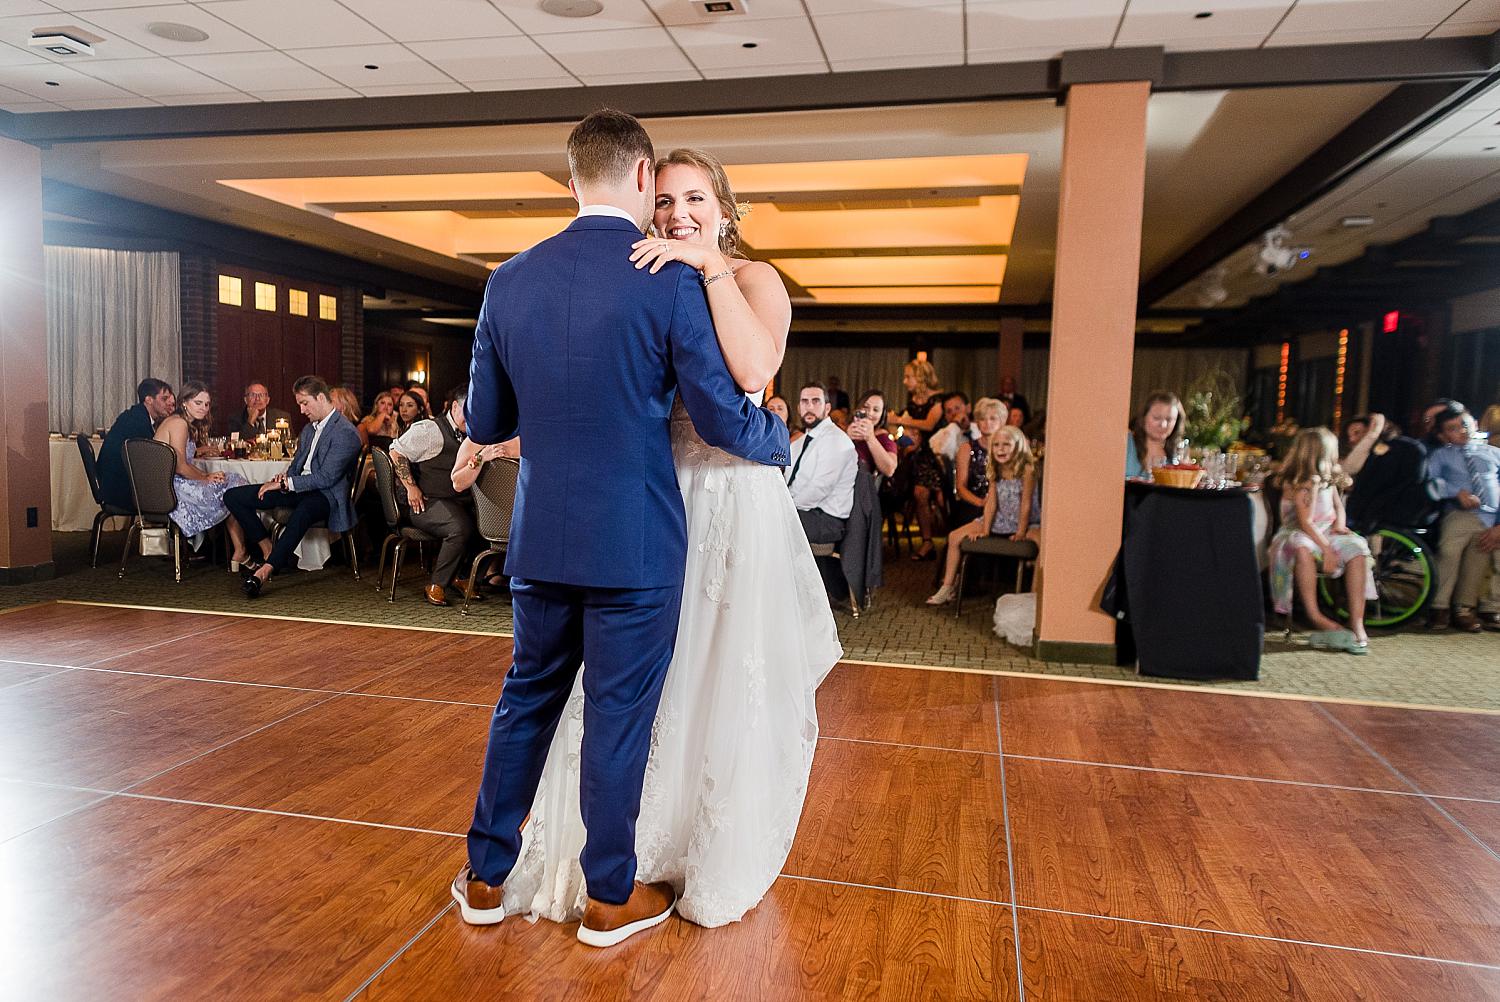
pixel 417 376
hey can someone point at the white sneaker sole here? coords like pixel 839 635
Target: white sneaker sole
pixel 611 937
pixel 476 916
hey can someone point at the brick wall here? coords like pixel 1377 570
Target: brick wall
pixel 352 319
pixel 199 291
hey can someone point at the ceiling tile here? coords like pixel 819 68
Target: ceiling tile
pixel 1385 33
pixel 1175 23
pixel 789 70
pixel 1476 11
pixel 28 107
pixel 409 21
pixel 346 64
pixel 154 77
pixel 493 60
pixel 402 90
pixel 228 97
pixel 305 94
pixel 776 42
pixel 534 83
pixel 110 103
pixel 1026 24
pixel 32 78
pixel 819 7
pixel 674 12
pixel 133 25
pixel 1457 28
pixel 16 30
pixel 19 7
pixel 107 4
pixel 638 77
pixel 1338 16
pixel 252 71
pixel 928 36
pixel 290 24
pixel 611 52
pixel 11 55
pixel 616 14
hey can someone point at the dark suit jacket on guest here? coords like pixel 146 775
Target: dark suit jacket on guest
pixel 582 354
pixel 114 479
pixel 241 422
pixel 332 468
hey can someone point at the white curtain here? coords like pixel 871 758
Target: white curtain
pixel 1176 369
pixel 858 369
pixel 112 320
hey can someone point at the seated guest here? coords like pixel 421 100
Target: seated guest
pixel 872 443
pixel 1390 476
pixel 821 477
pixel 956 428
pixel 1314 538
pixel 379 426
pixel 971 480
pixel 1489 422
pixel 1155 435
pixel 315 485
pixel 1466 477
pixel 200 496
pixel 838 400
pixel 1430 437
pixel 258 417
pixel 924 414
pixel 410 409
pixel 1014 402
pixel 348 405
pixel 436 498
pixel 777 406
pixel 155 402
pixel 1012 505
pixel 414 387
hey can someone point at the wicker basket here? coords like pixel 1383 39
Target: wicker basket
pixel 1176 478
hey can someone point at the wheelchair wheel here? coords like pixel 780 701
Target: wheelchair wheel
pixel 1403 580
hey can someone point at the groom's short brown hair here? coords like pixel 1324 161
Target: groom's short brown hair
pixel 606 145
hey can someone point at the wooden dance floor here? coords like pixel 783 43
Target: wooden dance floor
pixel 210 807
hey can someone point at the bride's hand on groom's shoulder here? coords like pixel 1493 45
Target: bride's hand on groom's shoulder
pixel 655 252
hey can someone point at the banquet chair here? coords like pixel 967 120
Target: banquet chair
pixel 399 532
pixel 494 502
pixel 1023 552
pixel 150 465
pixel 281 516
pixel 106 510
pixel 831 551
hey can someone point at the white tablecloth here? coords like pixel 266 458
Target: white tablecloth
pixel 317 545
pixel 73 507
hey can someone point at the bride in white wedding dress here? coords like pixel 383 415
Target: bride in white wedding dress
pixel 733 741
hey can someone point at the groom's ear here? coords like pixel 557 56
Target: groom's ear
pixel 573 190
pixel 645 177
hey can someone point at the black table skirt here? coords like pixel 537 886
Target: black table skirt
pixel 1191 590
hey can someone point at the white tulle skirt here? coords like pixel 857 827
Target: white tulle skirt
pixel 733 741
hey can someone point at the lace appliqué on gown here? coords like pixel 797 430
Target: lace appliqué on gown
pixel 733 740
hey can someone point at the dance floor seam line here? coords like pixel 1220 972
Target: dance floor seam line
pixel 1431 801
pixel 152 647
pixel 281 618
pixel 291 688
pixel 66 814
pixel 893 890
pixel 903 744
pixel 397 955
pixel 1010 856
pixel 36 678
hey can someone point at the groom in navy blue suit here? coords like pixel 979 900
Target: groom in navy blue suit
pixel 582 355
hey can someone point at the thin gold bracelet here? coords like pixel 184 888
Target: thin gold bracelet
pixel 710 280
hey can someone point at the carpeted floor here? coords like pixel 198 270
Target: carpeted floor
pixel 1414 667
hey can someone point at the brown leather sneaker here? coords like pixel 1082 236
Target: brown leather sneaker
pixel 605 924
pixel 479 903
pixel 1466 622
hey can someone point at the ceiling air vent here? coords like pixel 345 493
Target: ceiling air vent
pixel 720 8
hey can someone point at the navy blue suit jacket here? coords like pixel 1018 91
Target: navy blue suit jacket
pixel 114 479
pixel 332 467
pixel 581 354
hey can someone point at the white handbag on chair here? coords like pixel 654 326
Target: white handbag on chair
pixel 156 541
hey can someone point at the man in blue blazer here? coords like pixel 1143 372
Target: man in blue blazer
pixel 581 354
pixel 315 486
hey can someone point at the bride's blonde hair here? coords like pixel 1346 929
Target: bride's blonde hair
pixel 729 233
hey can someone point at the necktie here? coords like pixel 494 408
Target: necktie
pixel 1477 480
pixel 806 444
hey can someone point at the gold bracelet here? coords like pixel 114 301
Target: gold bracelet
pixel 710 280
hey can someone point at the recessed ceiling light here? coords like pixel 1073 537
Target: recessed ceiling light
pixel 53 83
pixel 571 8
pixel 172 31
pixel 371 66
pixel 1354 222
pixel 1203 14
pixel 749 45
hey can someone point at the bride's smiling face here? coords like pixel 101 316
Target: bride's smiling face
pixel 686 208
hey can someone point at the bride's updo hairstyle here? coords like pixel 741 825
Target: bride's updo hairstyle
pixel 729 233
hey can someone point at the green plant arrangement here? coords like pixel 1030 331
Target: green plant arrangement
pixel 1213 410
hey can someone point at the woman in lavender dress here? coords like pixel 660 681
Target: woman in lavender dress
pixel 200 496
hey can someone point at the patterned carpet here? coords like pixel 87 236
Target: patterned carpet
pixel 1447 670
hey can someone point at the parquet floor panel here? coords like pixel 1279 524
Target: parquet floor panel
pixel 903 706
pixel 1441 752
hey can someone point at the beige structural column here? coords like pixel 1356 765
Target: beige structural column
pixel 25 468
pixel 1093 341
pixel 1012 333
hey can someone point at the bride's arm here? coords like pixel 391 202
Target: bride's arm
pixel 751 314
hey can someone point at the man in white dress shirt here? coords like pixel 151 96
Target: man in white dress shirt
pixel 821 477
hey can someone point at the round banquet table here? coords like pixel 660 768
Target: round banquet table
pixel 316 546
pixel 73 507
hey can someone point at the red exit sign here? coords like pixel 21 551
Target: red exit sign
pixel 1392 321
